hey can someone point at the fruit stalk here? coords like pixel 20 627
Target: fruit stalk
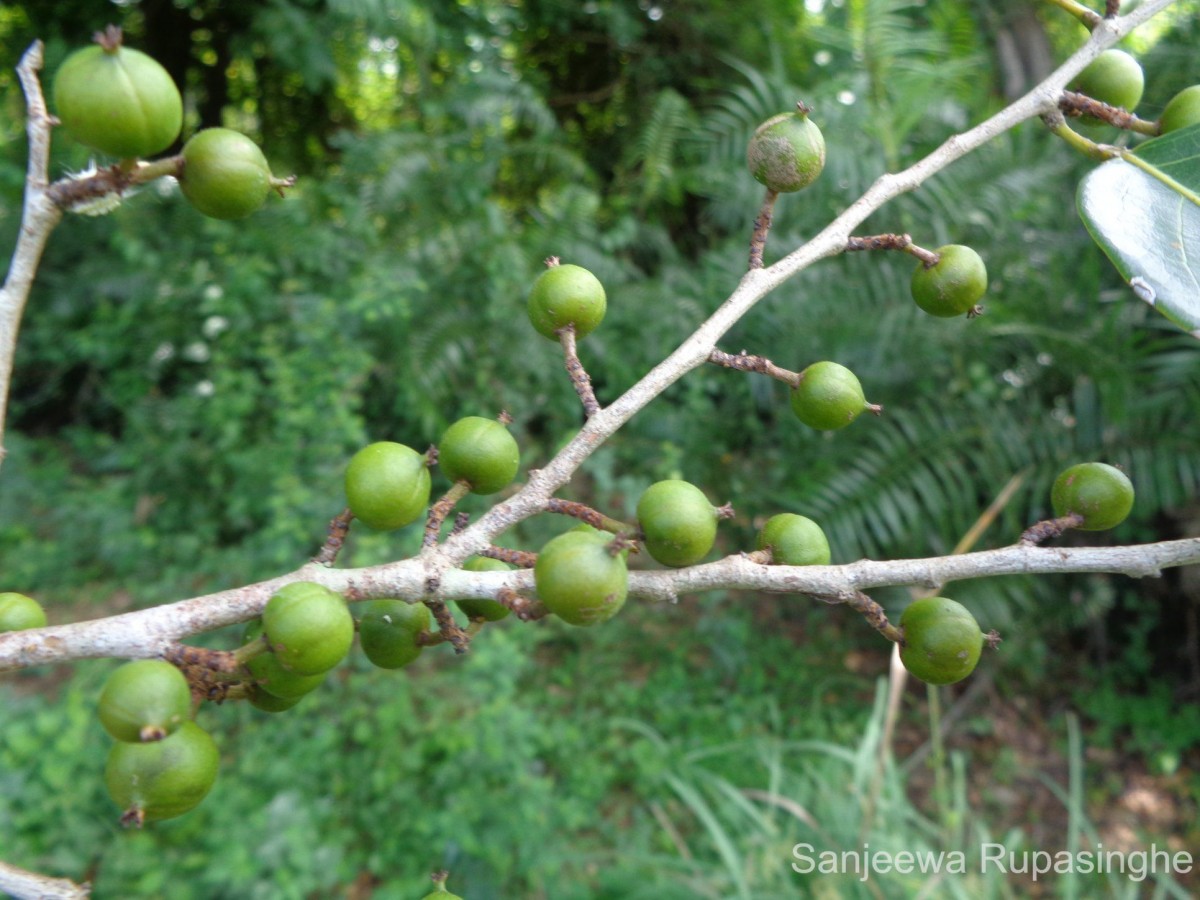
pixel 339 527
pixel 459 639
pixel 524 559
pixel 870 610
pixel 745 362
pixel 762 226
pixel 441 509
pixel 585 513
pixel 1074 104
pixel 580 380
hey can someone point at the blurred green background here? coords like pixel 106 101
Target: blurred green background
pixel 187 392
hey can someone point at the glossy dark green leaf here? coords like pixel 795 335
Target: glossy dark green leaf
pixel 1147 220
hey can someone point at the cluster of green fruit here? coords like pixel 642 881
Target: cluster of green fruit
pixel 1116 78
pixel 941 639
pixel 123 103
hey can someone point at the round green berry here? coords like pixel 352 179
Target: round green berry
pixel 1182 110
pixel 308 627
pixel 678 523
pixel 953 285
pixel 145 700
pixel 271 677
pixel 18 613
pixel 388 631
pixel 1100 493
pixel 828 396
pixel 1114 77
pixel 482 607
pixel 580 578
pixel 387 485
pixel 942 640
pixel 260 699
pixel 787 152
pixel 162 779
pixel 117 100
pixel 225 175
pixel 566 295
pixel 794 541
pixel 480 452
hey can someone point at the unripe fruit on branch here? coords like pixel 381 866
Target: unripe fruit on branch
pixel 829 396
pixel 18 613
pixel 308 627
pixel 580 579
pixel 225 174
pixel 953 285
pixel 678 523
pixel 387 485
pixel 566 295
pixel 145 700
pixel 1100 493
pixel 271 677
pixel 480 452
pixel 942 640
pixel 116 100
pixel 388 631
pixel 1114 77
pixel 260 699
pixel 481 607
pixel 794 541
pixel 162 779
pixel 787 152
pixel 1182 110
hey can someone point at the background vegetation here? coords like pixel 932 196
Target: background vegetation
pixel 187 392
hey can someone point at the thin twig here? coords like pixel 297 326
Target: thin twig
pixel 746 362
pixel 762 227
pixel 580 380
pixel 339 527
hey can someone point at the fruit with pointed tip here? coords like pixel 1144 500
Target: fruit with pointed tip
pixel 678 523
pixel 162 779
pixel 1181 111
pixel 1114 77
pixel 388 630
pixel 117 100
pixel 581 578
pixel 225 175
pixel 308 627
pixel 953 285
pixel 942 640
pixel 1101 493
pixel 387 485
pixel 566 294
pixel 480 452
pixel 19 612
pixel 794 540
pixel 145 700
pixel 828 396
pixel 787 152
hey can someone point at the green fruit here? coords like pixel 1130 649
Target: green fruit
pixel 163 779
pixel 787 152
pixel 388 631
pixel 18 612
pixel 942 640
pixel 145 700
pixel 794 541
pixel 566 295
pixel 260 699
pixel 1100 493
pixel 1183 110
pixel 953 285
pixel 308 627
pixel 482 607
pixel 1114 77
pixel 387 485
pixel 678 523
pixel 271 677
pixel 225 174
pixel 118 101
pixel 829 396
pixel 480 452
pixel 580 579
